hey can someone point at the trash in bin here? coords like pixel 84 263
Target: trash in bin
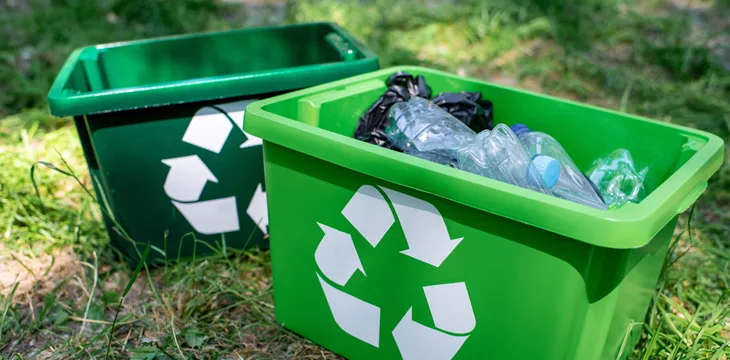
pixel 617 178
pixel 421 126
pixel 429 131
pixel 571 185
pixel 377 256
pixel 401 87
pixel 418 125
pixel 498 155
pixel 160 122
pixel 468 107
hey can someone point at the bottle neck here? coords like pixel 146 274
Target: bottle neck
pixel 520 129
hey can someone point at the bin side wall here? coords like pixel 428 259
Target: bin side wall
pixel 635 293
pixel 523 283
pixel 125 151
pixel 210 56
pixel 100 191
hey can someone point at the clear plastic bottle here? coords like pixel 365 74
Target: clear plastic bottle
pixel 421 128
pixel 499 155
pixel 617 178
pixel 572 184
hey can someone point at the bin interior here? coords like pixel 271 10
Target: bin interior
pixel 173 59
pixel 585 132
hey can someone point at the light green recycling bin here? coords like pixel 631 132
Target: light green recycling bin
pixel 160 122
pixel 380 255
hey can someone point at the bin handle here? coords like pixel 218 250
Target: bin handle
pixel 692 197
pixel 347 53
pixel 90 63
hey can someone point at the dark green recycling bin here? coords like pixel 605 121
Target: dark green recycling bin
pixel 160 123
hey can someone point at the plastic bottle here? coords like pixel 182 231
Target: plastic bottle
pixel 419 127
pixel 572 184
pixel 499 155
pixel 617 179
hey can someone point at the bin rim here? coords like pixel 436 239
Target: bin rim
pixel 630 226
pixel 63 103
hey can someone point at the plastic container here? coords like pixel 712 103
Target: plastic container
pixel 160 123
pixel 378 255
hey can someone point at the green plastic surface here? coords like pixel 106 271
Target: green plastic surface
pixel 160 124
pixel 199 67
pixel 566 278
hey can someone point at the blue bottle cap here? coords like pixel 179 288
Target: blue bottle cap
pixel 548 168
pixel 520 129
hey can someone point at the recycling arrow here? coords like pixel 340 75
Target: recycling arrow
pixel 451 307
pixel 251 141
pixel 424 228
pixel 258 211
pixel 429 241
pixel 187 178
pixel 419 342
pixel 336 256
pixel 369 213
pixel 212 216
pixel 354 316
pixel 235 111
pixel 451 311
pixel 208 129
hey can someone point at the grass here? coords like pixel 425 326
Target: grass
pixel 663 59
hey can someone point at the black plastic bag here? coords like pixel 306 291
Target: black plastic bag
pixel 401 87
pixel 468 107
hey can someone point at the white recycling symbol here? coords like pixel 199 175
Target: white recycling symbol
pixel 209 129
pixel 429 242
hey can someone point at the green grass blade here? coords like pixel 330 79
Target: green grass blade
pixel 668 264
pixel 52 167
pixel 720 352
pixel 654 337
pixel 627 335
pixel 131 281
pixel 7 307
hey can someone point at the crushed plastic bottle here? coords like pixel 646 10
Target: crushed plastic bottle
pixel 617 179
pixel 572 184
pixel 421 128
pixel 498 155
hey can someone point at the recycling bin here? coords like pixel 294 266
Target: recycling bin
pixel 160 123
pixel 377 254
